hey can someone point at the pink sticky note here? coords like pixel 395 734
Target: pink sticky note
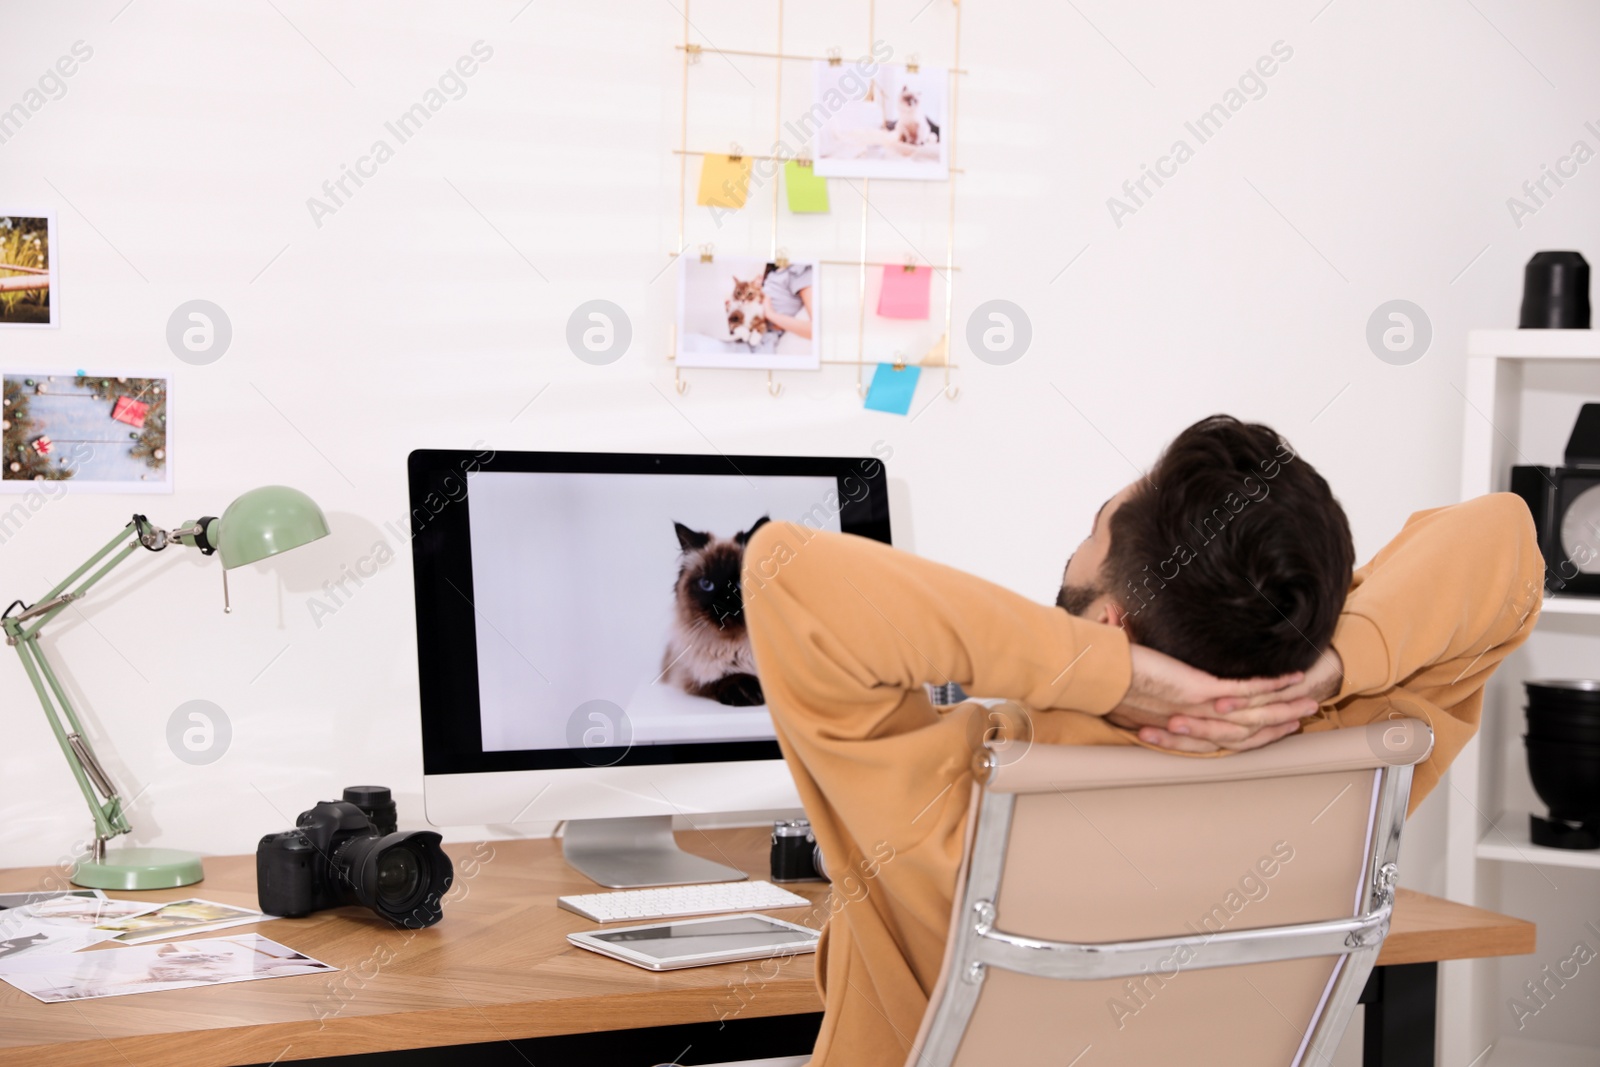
pixel 905 293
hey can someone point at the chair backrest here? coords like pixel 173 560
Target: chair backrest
pixel 1131 907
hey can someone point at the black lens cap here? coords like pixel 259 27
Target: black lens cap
pixel 366 796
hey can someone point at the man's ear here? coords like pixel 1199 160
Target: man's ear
pixel 1111 612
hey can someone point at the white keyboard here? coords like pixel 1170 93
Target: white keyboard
pixel 676 901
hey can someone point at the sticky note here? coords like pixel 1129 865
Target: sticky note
pixel 891 390
pixel 724 180
pixel 807 192
pixel 904 294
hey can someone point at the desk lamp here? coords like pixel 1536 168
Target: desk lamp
pixel 261 523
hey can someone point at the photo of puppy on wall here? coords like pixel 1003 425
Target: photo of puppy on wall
pixel 894 125
pixel 740 311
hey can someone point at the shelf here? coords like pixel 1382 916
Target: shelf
pixel 1534 344
pixel 1523 1052
pixel 1507 841
pixel 1570 605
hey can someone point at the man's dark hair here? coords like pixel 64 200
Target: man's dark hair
pixel 1232 555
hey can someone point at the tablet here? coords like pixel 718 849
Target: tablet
pixel 700 942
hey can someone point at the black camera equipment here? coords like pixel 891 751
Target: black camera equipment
pixel 348 852
pixel 1565 502
pixel 1563 741
pixel 796 856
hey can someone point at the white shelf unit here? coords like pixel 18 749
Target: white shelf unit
pixel 1507 841
pixel 1523 391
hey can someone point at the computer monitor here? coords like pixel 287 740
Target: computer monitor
pixel 581 649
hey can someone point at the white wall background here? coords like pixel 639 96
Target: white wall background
pixel 431 309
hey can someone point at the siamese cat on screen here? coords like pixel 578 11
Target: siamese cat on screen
pixel 708 648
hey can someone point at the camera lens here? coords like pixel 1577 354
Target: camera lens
pixel 399 878
pixel 402 876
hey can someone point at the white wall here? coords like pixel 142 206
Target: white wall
pixel 431 309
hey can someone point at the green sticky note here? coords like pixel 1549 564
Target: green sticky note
pixel 807 192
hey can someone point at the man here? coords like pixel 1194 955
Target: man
pixel 1231 554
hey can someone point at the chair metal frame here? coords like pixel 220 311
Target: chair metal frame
pixel 980 943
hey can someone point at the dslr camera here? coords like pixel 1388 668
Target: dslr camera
pixel 348 852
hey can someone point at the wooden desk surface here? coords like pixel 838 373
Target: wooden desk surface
pixel 497 967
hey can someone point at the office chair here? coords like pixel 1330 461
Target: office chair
pixel 1125 907
pixel 1156 910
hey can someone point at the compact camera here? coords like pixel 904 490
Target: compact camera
pixel 796 856
pixel 347 852
pixel 1565 502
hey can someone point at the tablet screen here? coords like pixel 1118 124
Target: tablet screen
pixel 694 939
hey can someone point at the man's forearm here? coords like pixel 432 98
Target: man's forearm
pixel 1455 585
pixel 848 620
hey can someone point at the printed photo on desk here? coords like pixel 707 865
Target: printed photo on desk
pixel 894 125
pixel 39 896
pixel 57 922
pixel 176 919
pixel 81 911
pixel 106 433
pixel 744 312
pixel 117 972
pixel 638 637
pixel 28 287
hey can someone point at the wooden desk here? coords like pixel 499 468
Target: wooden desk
pixel 497 968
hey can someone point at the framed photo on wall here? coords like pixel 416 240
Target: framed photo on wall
pixel 28 290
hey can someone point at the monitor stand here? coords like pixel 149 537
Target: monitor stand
pixel 637 852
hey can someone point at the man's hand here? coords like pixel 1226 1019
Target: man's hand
pixel 1178 707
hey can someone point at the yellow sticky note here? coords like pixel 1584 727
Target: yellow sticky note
pixel 724 181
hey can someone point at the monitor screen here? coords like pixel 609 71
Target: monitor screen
pixel 585 609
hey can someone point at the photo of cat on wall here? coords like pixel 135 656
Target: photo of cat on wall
pixel 893 126
pixel 708 649
pixel 741 311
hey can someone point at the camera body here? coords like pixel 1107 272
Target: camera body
pixel 796 856
pixel 337 856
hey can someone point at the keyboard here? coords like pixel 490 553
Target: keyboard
pixel 677 901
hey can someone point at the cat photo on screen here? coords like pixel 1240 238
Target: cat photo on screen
pixel 708 648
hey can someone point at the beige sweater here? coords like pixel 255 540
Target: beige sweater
pixel 846 632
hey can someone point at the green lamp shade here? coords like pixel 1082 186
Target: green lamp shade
pixel 266 521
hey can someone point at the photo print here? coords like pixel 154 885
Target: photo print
pixel 176 918
pixel 28 270
pixel 101 433
pixel 115 972
pixel 894 125
pixel 744 312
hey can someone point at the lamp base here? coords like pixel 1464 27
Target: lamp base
pixel 139 868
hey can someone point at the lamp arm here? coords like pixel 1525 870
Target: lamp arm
pixel 109 818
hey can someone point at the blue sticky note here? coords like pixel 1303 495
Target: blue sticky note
pixel 891 390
